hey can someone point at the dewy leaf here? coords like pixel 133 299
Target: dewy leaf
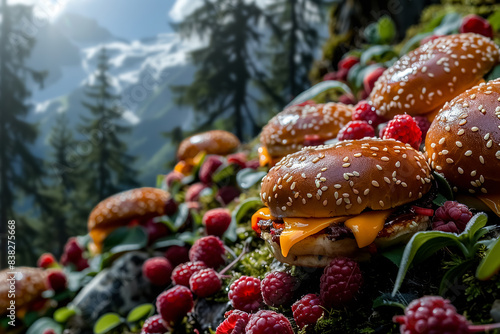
pixel 477 222
pixel 449 24
pixel 444 187
pixel 62 314
pixel 319 88
pixel 43 324
pixel 107 322
pixel 490 264
pixel 140 312
pixel 376 52
pixel 134 238
pixel 247 177
pixel 252 203
pixel 449 279
pixel 421 246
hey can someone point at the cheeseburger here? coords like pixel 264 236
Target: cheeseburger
pixel 345 199
pixel 299 126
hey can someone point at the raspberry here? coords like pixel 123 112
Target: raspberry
pixel 431 314
pixel 156 230
pixel 278 288
pixel 341 74
pixel 340 282
pixel 153 325
pixel 348 62
pixel 157 270
pixel 170 207
pixel 57 280
pixel 347 99
pixel 234 323
pixel 364 111
pixel 194 191
pixel 371 78
pixel 172 177
pixel 227 194
pixel 451 217
pixel 174 304
pixel 268 322
pixel 73 251
pixel 307 310
pixel 210 165
pixel 476 24
pixel 177 255
pixel 216 221
pixel 254 164
pixel 239 159
pixel 209 250
pixel 356 130
pixel 49 331
pixel 46 260
pixel 330 76
pixel 405 129
pixel 182 273
pixel 423 124
pixel 245 294
pixel 82 264
pixel 205 283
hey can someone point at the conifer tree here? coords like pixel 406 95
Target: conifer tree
pixel 108 168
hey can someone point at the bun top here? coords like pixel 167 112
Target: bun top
pixel 427 77
pixel 212 142
pixel 345 179
pixel 30 284
pixel 463 142
pixel 285 133
pixel 119 209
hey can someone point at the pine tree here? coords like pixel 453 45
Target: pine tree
pixel 107 166
pixel 20 170
pixel 225 66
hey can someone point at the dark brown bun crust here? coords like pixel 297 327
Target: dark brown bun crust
pixel 212 142
pixel 345 179
pixel 285 132
pixel 430 75
pixel 28 288
pixel 463 142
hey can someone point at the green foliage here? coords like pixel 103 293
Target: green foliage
pixel 62 314
pixel 244 210
pixel 321 89
pixel 490 265
pixel 257 262
pixel 107 322
pixel 140 312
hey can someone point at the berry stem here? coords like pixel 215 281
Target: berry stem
pixel 243 252
pixel 483 328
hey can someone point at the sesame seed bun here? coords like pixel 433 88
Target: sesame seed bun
pixel 211 142
pixel 118 210
pixel 345 179
pixel 285 133
pixel 463 142
pixel 430 75
pixel 29 287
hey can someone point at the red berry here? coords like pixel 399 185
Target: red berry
pixel 423 124
pixel 174 304
pixel 193 192
pixel 49 331
pixel 209 250
pixel 227 194
pixel 451 217
pixel 371 78
pixel 307 310
pixel 183 272
pixel 210 165
pixel 356 130
pixel 341 74
pixel 330 76
pixel 157 270
pixel 432 314
pixel 57 280
pixel 348 62
pixel 156 230
pixel 177 255
pixel 405 129
pixel 82 264
pixel 340 282
pixel 245 294
pixel 73 250
pixel 238 159
pixel 46 260
pixel 205 283
pixel 254 164
pixel 234 323
pixel 170 207
pixel 347 99
pixel 216 221
pixel 268 322
pixel 382 130
pixel 172 177
pixel 153 325
pixel 278 288
pixel 364 111
pixel 476 24
pixel 305 103
pixel 429 39
pixel 313 140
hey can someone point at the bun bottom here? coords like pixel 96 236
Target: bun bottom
pixel 318 251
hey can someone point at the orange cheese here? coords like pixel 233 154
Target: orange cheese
pixel 366 226
pixel 263 213
pixel 492 201
pixel 264 157
pixel 297 229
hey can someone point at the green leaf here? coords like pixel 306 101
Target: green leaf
pixel 421 246
pixel 247 177
pixel 413 43
pixel 490 264
pixel 371 33
pixel 450 278
pixel 494 73
pixel 223 172
pixel 160 181
pixel 167 242
pixel 439 200
pixel 444 187
pixel 125 239
pixel 252 203
pixel 395 254
pixel 181 216
pixel 43 324
pixel 107 322
pixel 400 300
pixel 494 20
pixel 449 24
pixel 475 224
pixel 386 29
pixel 319 88
pixel 62 314
pixel 140 312
pixel 377 53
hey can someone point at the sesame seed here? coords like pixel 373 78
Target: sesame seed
pixel 322 179
pixel 458 143
pixel 346 177
pixel 339 201
pixel 481 178
pixel 481 159
pixel 309 195
pixel 474 128
pixel 487 136
pixel 366 192
pixel 450 161
pixel 375 183
pixel 325 202
pixel 441 141
pixel 381 203
pixel 384 159
pixel 386 179
pixel 346 165
pixel 283 208
pixel 357 155
pixel 460 132
pixel 379 167
pixel 304 175
pixel 292 186
pixel 483 190
pixel 315 160
pixel 489 143
pixel 468 153
pixel 462 122
pixel 345 159
pixel 404 184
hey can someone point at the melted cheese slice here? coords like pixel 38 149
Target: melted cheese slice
pixel 263 213
pixel 264 157
pixel 492 201
pixel 364 226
